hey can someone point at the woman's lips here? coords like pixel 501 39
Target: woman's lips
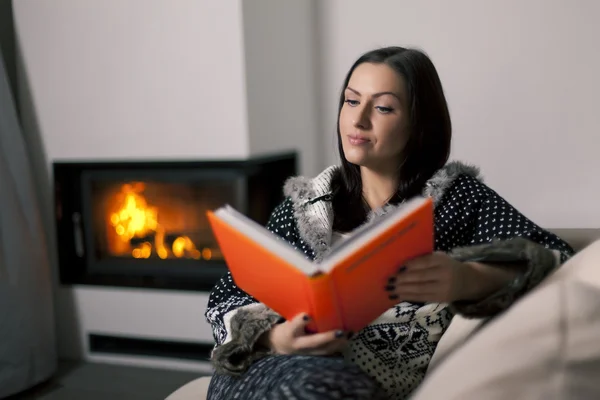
pixel 356 140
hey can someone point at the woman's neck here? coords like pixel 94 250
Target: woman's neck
pixel 378 187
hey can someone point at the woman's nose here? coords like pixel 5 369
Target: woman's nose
pixel 362 119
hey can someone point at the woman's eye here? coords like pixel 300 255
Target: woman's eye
pixel 352 103
pixel 384 110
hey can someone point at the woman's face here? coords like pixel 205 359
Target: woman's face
pixel 374 118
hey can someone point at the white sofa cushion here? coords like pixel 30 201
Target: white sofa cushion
pixel 461 328
pixel 546 346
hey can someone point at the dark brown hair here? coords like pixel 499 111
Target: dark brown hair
pixel 428 145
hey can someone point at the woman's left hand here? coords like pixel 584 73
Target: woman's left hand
pixel 436 278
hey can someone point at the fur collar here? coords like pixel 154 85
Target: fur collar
pixel 314 213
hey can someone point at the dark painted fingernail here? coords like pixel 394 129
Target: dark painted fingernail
pixel 389 288
pixel 392 279
pixel 350 335
pixel 402 268
pixel 306 318
pixel 281 320
pixel 339 334
pixel 393 296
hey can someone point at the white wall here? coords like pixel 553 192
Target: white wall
pixel 147 79
pixel 136 79
pixel 280 50
pixel 521 78
pixel 151 79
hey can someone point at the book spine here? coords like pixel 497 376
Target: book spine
pixel 326 315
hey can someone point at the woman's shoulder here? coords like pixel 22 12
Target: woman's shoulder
pixel 456 179
pixel 301 189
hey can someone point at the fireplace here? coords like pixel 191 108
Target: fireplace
pixel 143 224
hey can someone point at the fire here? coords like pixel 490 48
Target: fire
pixel 135 218
pixel 136 221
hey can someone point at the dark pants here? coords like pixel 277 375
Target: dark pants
pixel 297 377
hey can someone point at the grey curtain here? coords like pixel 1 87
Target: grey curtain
pixel 27 330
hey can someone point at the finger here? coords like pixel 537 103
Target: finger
pixel 419 287
pixel 428 289
pixel 317 340
pixel 422 292
pixel 336 346
pixel 329 348
pixel 423 262
pixel 418 262
pixel 298 324
pixel 421 298
pixel 432 274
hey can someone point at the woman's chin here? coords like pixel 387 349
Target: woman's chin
pixel 360 161
pixel 355 156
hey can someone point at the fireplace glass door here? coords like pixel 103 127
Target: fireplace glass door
pixel 156 220
pixel 145 224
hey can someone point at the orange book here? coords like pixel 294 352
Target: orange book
pixel 346 289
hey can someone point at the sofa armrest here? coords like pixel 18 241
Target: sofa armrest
pixel 458 332
pixel 461 329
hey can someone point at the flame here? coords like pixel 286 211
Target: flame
pixel 135 218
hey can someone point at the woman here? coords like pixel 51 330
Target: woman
pixel 394 136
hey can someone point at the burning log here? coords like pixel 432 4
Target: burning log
pixel 168 240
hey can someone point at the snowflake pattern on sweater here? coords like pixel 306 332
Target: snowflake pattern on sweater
pixel 396 348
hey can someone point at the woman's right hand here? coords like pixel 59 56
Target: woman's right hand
pixel 290 337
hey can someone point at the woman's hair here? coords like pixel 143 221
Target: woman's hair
pixel 427 148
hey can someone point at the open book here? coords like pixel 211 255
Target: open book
pixel 346 290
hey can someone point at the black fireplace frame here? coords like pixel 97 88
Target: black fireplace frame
pixel 72 209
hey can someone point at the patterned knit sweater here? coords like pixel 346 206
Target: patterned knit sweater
pixel 472 222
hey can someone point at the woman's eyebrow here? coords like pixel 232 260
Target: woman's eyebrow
pixel 379 94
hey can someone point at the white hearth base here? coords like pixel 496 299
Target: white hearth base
pixel 131 313
pixel 202 368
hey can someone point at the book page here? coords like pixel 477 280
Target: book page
pixel 368 232
pixel 267 239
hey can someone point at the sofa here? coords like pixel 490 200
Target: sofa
pixel 547 346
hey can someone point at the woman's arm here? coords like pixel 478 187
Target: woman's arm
pixel 524 261
pixel 507 253
pixel 484 279
pixel 489 254
pixel 237 319
pixel 440 278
